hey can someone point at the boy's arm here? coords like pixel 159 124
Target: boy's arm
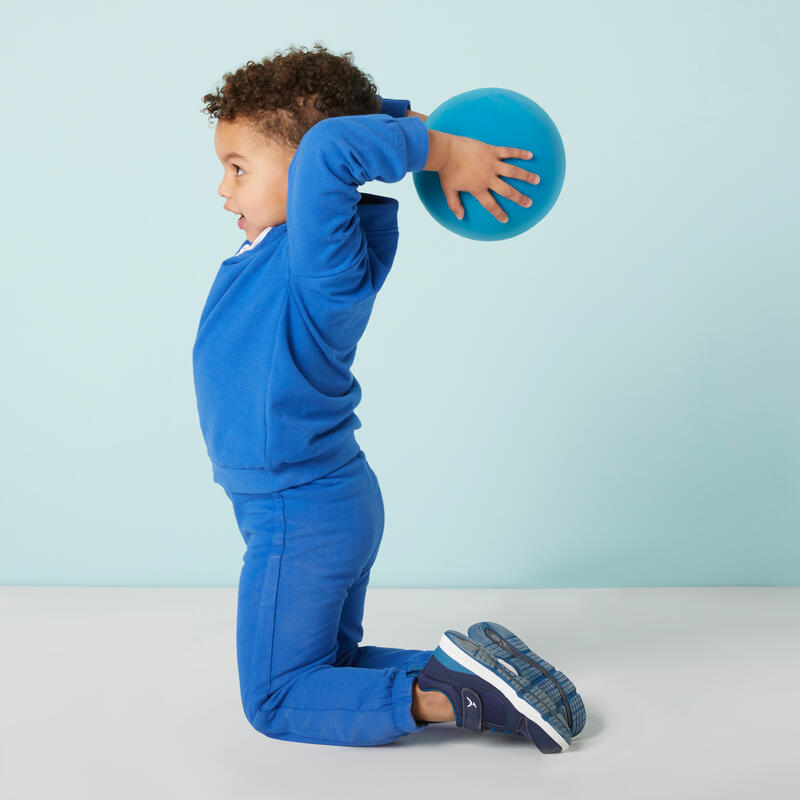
pixel 334 157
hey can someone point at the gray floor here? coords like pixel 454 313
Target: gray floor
pixel 132 693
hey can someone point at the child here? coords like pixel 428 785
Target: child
pixel 297 135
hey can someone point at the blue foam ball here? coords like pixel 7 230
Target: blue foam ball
pixel 502 118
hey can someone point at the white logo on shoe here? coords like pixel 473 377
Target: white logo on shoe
pixel 471 703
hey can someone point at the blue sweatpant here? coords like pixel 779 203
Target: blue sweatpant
pixel 303 675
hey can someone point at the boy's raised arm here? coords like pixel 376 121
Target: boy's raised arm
pixel 334 158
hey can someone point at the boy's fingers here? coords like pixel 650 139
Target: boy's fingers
pixel 454 203
pixel 515 152
pixel 493 207
pixel 506 190
pixel 519 173
pixel 525 175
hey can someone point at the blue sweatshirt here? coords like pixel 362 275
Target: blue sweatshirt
pixel 278 333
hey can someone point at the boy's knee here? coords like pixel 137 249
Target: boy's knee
pixel 260 710
pixel 262 719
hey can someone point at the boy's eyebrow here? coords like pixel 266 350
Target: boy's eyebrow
pixel 234 155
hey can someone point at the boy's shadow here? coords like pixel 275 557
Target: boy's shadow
pixel 446 732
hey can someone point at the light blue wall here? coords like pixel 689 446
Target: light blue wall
pixel 612 399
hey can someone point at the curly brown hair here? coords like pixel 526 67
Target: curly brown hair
pixel 283 96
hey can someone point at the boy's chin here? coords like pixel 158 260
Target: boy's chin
pixel 252 232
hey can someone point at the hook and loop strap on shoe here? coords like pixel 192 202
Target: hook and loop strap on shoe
pixel 472 709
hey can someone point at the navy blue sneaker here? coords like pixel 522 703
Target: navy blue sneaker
pixel 486 695
pixel 508 648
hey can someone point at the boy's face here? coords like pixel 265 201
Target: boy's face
pixel 256 179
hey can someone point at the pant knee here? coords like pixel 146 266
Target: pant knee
pixel 262 719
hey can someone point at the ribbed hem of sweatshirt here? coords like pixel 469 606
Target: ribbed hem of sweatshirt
pixel 417 142
pixel 402 697
pixel 395 108
pixel 264 481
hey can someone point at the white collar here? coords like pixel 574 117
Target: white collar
pixel 254 243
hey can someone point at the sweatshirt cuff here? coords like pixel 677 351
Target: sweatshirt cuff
pixel 417 142
pixel 394 108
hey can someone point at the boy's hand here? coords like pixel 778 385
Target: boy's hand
pixel 470 165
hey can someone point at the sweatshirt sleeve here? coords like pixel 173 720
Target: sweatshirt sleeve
pixel 394 108
pixel 334 157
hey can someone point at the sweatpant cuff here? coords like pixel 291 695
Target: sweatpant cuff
pixel 402 697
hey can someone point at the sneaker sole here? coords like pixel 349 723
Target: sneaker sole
pixel 470 655
pixel 507 647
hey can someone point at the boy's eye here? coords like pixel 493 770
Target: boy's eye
pixel 235 167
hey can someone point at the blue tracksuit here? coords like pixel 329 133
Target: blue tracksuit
pixel 276 400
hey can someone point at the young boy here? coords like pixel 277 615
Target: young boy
pixel 297 135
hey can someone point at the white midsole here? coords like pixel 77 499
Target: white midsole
pixel 466 660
